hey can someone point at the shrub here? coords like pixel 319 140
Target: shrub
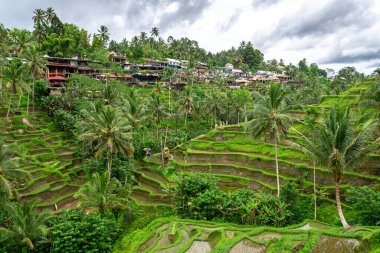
pixel 299 206
pixel 199 197
pixel 74 231
pixel 366 203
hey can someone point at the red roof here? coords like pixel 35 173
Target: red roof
pixel 57 78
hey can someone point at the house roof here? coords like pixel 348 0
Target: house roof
pixel 57 78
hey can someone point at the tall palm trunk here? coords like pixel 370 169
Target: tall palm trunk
pixel 339 206
pixel 185 118
pixel 33 98
pixel 277 172
pixel 109 167
pixel 19 101
pixel 315 193
pixel 27 105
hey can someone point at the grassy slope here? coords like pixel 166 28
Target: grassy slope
pixel 179 235
pixel 240 161
pixel 50 158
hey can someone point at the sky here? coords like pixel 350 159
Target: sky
pixel 331 33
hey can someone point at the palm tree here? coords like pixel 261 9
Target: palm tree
pixel 21 39
pixel 270 118
pixel 14 73
pixel 107 132
pixel 39 24
pixel 135 109
pixel 9 170
pixel 101 193
pixel 169 73
pixel 35 66
pixel 215 104
pixel 157 109
pixel 50 14
pixel 104 35
pixel 155 32
pixel 27 225
pixel 339 147
pixel 39 16
pixel 109 94
pixel 143 38
pixel 187 102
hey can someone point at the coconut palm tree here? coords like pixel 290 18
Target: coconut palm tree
pixel 106 132
pixel 21 39
pixel 169 73
pixel 103 34
pixel 135 110
pixel 215 104
pixel 157 109
pixel 50 14
pixel 26 224
pixel 39 24
pixel 39 16
pixel 14 73
pixel 187 102
pixel 338 146
pixel 35 66
pixel 101 193
pixel 270 118
pixel 155 32
pixel 109 94
pixel 9 170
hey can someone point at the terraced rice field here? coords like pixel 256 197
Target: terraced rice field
pixel 172 235
pixel 49 156
pixel 240 161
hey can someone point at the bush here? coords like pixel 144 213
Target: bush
pixel 301 207
pixel 40 90
pixel 74 231
pixel 199 197
pixel 366 203
pixel 121 168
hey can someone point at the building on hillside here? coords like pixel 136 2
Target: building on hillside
pixel 114 57
pixel 174 63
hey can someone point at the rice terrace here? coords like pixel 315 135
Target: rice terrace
pixel 190 126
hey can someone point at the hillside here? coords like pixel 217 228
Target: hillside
pixel 178 235
pixel 49 155
pixel 238 160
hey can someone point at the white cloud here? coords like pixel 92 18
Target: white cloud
pixel 331 33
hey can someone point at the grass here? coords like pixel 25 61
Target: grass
pixel 222 237
pixel 48 155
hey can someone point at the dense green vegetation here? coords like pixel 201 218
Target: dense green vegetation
pixel 269 167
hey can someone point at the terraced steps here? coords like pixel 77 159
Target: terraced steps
pixel 172 234
pixel 49 156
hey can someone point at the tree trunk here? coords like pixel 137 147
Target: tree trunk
pixel 238 118
pixel 33 96
pixel 109 167
pixel 339 206
pixel 27 105
pixel 277 172
pixel 9 107
pixel 245 113
pixel 315 193
pixel 19 101
pixel 185 119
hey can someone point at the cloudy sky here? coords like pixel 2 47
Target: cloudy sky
pixel 331 33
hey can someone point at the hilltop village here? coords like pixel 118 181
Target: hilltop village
pixel 149 72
